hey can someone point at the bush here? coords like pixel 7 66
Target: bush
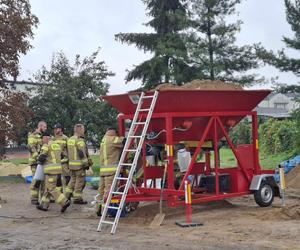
pixel 296 116
pixel 242 133
pixel 277 136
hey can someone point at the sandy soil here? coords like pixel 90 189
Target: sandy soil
pixel 233 224
pixel 200 85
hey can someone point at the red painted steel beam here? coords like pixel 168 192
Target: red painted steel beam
pixel 232 148
pixel 170 171
pixel 216 156
pixel 255 143
pixel 213 198
pixel 192 114
pixel 196 153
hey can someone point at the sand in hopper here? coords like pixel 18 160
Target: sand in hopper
pixel 200 85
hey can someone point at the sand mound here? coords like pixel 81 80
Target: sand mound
pixel 292 212
pixel 293 178
pixel 9 169
pixel 200 85
pixel 147 211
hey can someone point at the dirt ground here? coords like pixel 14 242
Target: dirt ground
pixel 232 224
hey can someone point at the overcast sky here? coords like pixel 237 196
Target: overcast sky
pixel 80 27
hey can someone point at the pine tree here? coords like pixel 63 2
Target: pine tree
pixel 212 46
pixel 167 44
pixel 281 60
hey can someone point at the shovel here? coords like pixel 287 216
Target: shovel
pixel 158 219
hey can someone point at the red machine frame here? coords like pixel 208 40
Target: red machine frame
pixel 216 126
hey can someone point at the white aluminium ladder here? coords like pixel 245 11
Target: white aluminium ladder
pixel 136 122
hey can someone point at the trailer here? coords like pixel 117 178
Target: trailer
pixel 197 122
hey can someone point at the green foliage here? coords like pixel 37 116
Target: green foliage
pixel 212 48
pixel 277 136
pixel 16 30
pixel 169 19
pixel 280 60
pixel 242 133
pixel 71 95
pixel 296 116
pixel 284 88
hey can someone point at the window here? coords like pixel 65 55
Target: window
pixel 280 105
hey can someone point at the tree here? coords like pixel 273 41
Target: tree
pixel 286 64
pixel 167 44
pixel 70 94
pixel 280 60
pixel 16 24
pixel 16 28
pixel 212 48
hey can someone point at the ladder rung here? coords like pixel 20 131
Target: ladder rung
pixel 126 164
pixel 111 207
pixel 143 110
pixel 148 96
pixel 130 150
pixel 108 222
pixel 115 192
pixel 139 123
pixel 122 178
pixel 135 136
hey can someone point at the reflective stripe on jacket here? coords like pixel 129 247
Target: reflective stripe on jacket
pixel 52 164
pixel 110 150
pixel 62 141
pixel 34 144
pixel 77 147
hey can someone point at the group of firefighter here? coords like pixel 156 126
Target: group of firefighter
pixel 64 161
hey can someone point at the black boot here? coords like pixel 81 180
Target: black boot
pixel 80 202
pixel 40 207
pixel 64 207
pixel 98 212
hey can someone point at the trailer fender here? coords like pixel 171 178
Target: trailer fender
pixel 257 179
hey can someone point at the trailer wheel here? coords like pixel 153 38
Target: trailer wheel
pixel 264 196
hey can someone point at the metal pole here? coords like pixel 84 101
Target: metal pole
pixel 188 202
pixel 282 184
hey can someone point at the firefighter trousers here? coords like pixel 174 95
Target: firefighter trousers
pixel 34 186
pixel 76 184
pixel 65 177
pixel 104 185
pixel 52 189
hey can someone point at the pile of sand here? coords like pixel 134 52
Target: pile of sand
pixel 200 85
pixel 293 178
pixel 10 169
pixel 292 212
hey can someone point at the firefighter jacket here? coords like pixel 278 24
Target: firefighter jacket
pixel 34 144
pixel 110 150
pixel 77 153
pixel 62 141
pixel 50 157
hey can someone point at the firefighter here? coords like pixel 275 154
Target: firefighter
pixel 35 145
pixel 110 150
pixel 50 158
pixel 79 162
pixel 62 139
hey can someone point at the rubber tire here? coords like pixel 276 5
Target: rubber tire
pixel 259 199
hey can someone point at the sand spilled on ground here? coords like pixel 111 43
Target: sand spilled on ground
pixel 200 85
pixel 147 211
pixel 293 178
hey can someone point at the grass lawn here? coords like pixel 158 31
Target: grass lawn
pixel 226 156
pixel 266 161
